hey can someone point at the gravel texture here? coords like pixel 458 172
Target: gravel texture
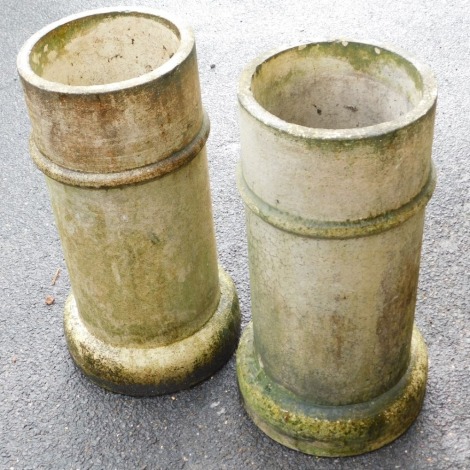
pixel 51 417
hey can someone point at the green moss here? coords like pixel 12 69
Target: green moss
pixel 57 40
pixel 362 57
pixel 329 430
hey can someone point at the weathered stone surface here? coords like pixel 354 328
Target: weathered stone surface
pixel 120 132
pixel 335 173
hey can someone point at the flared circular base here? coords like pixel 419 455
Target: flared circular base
pixel 330 431
pixel 158 370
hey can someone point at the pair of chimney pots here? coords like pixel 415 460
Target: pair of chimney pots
pixel 335 174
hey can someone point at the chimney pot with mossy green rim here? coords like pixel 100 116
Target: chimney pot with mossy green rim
pixel 335 174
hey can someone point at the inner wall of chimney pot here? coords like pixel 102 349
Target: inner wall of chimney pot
pixel 336 86
pixel 104 49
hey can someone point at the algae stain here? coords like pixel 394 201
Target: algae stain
pixel 54 44
pixel 154 238
pixel 362 57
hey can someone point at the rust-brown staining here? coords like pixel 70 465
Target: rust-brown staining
pixel 337 332
pixel 341 327
pixel 117 130
pixel 395 321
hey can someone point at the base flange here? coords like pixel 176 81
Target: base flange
pixel 330 431
pixel 157 370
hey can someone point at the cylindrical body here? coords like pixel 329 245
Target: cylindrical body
pixel 119 131
pixel 335 173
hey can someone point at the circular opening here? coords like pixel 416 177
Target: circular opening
pixel 337 85
pixel 102 49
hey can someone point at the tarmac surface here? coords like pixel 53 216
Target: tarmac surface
pixel 52 417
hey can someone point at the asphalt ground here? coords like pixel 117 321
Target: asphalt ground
pixel 52 417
